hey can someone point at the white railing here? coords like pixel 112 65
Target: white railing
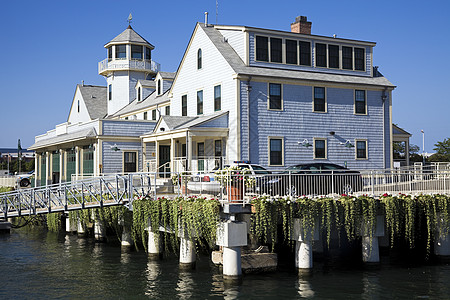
pixel 107 64
pixel 8 181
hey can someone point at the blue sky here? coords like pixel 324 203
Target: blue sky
pixel 50 46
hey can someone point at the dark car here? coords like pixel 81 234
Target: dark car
pixel 314 179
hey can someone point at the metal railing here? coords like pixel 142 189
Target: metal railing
pixel 119 64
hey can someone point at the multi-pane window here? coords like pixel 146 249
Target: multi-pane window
pixel 275 50
pixel 360 102
pixel 321 55
pixel 110 92
pixel 199 102
pixel 109 53
pixel 347 58
pixel 361 149
pixel 319 99
pixel 154 114
pixel 359 59
pixel 275 101
pixel 184 105
pixel 262 48
pixel 200 150
pixel 275 152
pixel 217 98
pixel 291 52
pixel 305 53
pixel 168 110
pixel 320 149
pixel 333 56
pixel 199 59
pixel 148 53
pixel 129 162
pixel 136 51
pixel 145 115
pixel 121 51
pixel 218 148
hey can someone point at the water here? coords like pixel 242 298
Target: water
pixel 36 264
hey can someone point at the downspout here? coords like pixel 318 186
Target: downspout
pixel 383 100
pixel 249 89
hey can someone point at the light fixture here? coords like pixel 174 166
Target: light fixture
pixel 305 143
pixel 115 148
pixel 332 133
pixel 348 144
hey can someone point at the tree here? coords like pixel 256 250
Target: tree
pixel 399 151
pixel 442 151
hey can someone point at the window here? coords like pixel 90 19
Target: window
pixel 360 102
pixel 199 59
pixel 154 114
pixel 217 98
pixel 121 51
pixel 275 101
pixel 333 56
pixel 275 50
pixel 361 149
pixel 168 110
pixel 262 48
pixel 139 94
pixel 126 118
pixel 110 92
pixel 136 52
pixel 218 148
pixel 145 115
pixel 275 152
pixel 148 53
pixel 199 102
pixel 184 105
pixel 158 86
pixel 291 52
pixel 200 150
pixel 78 105
pixel 347 58
pixel 129 162
pixel 319 99
pixel 320 151
pixel 359 59
pixel 305 53
pixel 109 53
pixel 321 55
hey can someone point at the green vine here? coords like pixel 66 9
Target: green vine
pixel 54 222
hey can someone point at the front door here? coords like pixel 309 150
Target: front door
pixel 164 159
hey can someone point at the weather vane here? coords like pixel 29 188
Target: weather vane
pixel 130 18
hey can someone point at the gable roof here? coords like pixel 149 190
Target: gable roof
pixel 399 131
pixel 167 75
pixel 147 83
pixel 183 122
pixel 151 100
pixel 65 138
pixel 236 63
pixel 95 99
pixel 129 36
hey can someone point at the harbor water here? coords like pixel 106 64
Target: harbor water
pixel 36 264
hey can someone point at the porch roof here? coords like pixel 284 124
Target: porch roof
pixel 65 138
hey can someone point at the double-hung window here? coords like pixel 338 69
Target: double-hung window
pixel 145 115
pixel 154 114
pixel 275 151
pixel 199 59
pixel 291 52
pixel 359 59
pixel 321 55
pixel 199 102
pixel 184 105
pixel 360 102
pixel 361 149
pixel 275 50
pixel 320 148
pixel 217 98
pixel 333 56
pixel 275 100
pixel 305 53
pixel 319 99
pixel 168 110
pixel 347 58
pixel 262 48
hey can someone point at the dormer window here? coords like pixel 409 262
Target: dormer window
pixel 199 59
pixel 136 52
pixel 139 94
pixel 121 51
pixel 158 86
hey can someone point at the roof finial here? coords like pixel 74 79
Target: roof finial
pixel 130 18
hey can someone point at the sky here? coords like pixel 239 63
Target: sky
pixel 50 46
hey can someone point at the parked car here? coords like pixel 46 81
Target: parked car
pixel 207 183
pixel 314 179
pixel 24 180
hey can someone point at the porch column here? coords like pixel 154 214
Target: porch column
pixel 61 165
pixel 47 167
pixel 144 156
pixel 37 160
pixel 189 151
pixel 157 155
pixel 407 151
pixel 172 155
pixel 77 161
pixel 95 162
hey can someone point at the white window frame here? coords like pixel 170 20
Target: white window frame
pixel 354 102
pixel 268 150
pixel 314 148
pixel 356 149
pixel 281 96
pixel 326 102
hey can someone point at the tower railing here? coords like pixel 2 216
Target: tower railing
pixel 115 65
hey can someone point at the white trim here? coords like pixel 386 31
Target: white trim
pixel 268 96
pixel 325 96
pixel 268 150
pixel 314 148
pixel 365 102
pixel 123 158
pixel 356 149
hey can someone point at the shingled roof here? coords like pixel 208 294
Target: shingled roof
pixel 129 36
pixel 95 100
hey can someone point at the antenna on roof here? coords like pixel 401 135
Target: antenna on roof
pixel 217 10
pixel 130 18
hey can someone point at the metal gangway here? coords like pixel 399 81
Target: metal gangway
pixel 95 192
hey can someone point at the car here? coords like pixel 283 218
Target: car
pixel 208 183
pixel 314 179
pixel 24 180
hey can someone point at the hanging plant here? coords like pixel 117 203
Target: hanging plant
pixel 307 210
pixel 265 219
pixel 54 222
pixel 351 208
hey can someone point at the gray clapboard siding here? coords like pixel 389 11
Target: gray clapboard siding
pixel 127 128
pixel 113 160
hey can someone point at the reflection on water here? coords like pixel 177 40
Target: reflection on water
pixel 41 265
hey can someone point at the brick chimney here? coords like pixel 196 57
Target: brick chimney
pixel 301 25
